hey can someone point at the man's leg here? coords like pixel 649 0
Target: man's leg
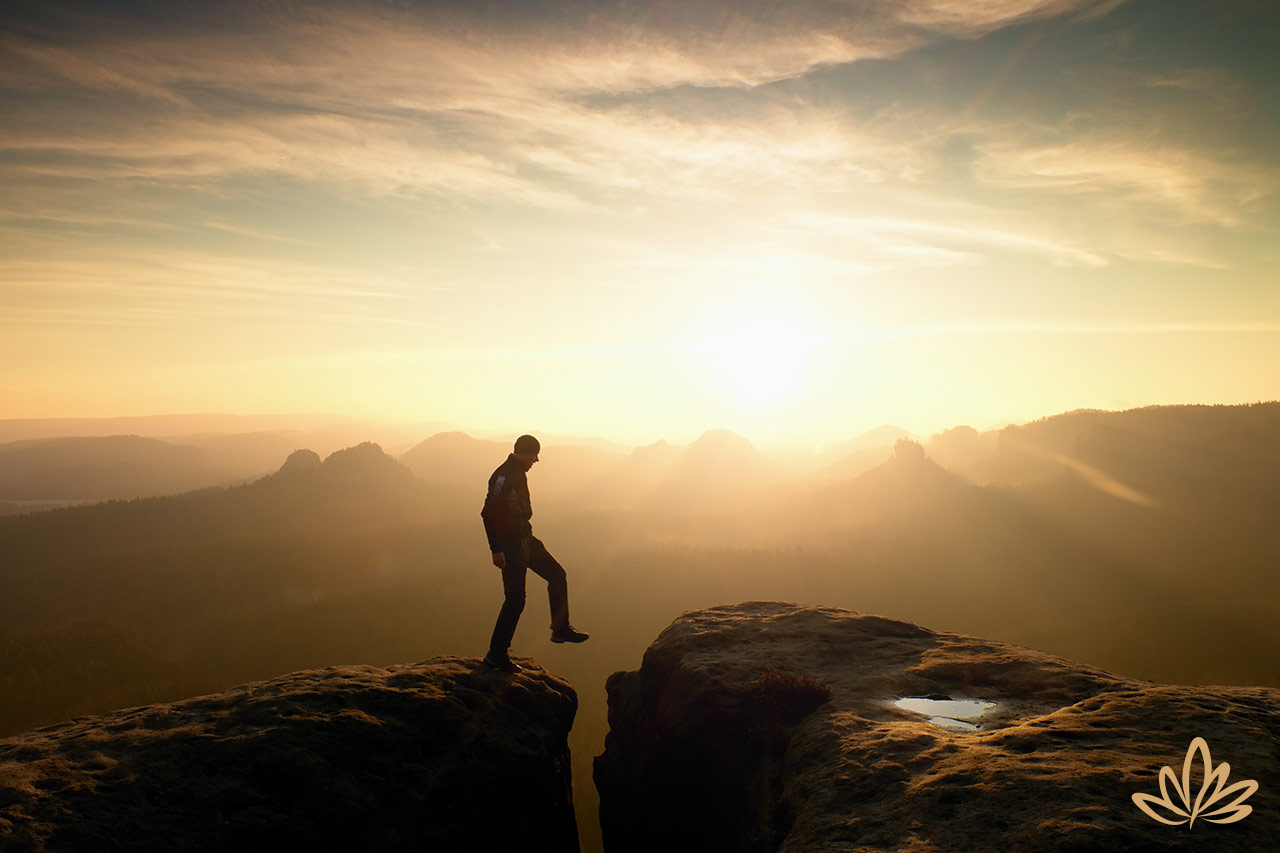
pixel 512 602
pixel 546 567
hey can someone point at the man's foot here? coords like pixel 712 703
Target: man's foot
pixel 503 663
pixel 568 634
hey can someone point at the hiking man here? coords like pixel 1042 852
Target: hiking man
pixel 514 548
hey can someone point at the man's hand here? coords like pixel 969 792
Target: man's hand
pixel 500 559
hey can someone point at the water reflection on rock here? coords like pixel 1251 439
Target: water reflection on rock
pixel 947 713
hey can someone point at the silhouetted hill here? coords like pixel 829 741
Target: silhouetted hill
pixel 721 450
pixel 301 460
pixel 121 467
pixel 860 454
pixel 883 436
pixel 458 460
pixel 565 472
pixel 112 467
pixel 91 553
pixel 961 447
pixel 908 481
pixel 715 474
pixel 846 458
pixel 88 459
pixel 1168 450
pixel 1026 561
pixel 631 481
pixel 127 602
pixel 904 485
pixel 359 486
pixel 455 458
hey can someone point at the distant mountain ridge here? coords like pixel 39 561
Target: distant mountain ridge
pixel 1158 449
pixel 457 459
pixel 1187 451
pixel 359 487
pixel 124 467
pixel 718 472
pixel 110 467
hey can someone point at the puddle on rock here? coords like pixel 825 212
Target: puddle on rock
pixel 949 714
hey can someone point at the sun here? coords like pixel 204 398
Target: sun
pixel 762 351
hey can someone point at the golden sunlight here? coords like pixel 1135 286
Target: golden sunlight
pixel 762 350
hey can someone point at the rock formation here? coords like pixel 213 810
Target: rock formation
pixel 771 726
pixel 302 460
pixel 441 755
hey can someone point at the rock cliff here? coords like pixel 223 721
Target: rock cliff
pixel 771 726
pixel 441 755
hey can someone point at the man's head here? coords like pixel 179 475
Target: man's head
pixel 526 450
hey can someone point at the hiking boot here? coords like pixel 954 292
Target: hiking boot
pixel 568 634
pixel 503 663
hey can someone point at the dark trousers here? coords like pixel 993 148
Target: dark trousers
pixel 529 553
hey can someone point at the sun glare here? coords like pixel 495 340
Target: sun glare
pixel 762 351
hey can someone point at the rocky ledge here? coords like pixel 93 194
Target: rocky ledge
pixel 441 755
pixel 772 726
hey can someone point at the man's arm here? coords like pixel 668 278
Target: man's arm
pixel 498 518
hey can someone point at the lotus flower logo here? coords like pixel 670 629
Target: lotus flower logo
pixel 1185 810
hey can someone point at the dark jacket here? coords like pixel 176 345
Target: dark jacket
pixel 507 509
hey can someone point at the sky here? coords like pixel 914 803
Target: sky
pixel 640 220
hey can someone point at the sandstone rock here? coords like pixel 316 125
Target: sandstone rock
pixel 724 740
pixel 441 755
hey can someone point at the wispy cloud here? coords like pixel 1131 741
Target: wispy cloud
pixel 589 110
pixel 152 288
pixel 462 102
pixel 963 17
pixel 935 240
pixel 1197 188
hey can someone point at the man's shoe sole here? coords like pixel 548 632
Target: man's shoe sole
pixel 578 639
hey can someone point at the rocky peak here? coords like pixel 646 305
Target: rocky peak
pixel 301 460
pixel 721 443
pixel 446 754
pixel 908 452
pixel 364 461
pixel 1004 748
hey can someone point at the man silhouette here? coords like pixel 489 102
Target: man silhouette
pixel 506 515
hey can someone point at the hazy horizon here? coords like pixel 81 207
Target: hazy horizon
pixel 283 421
pixel 25 428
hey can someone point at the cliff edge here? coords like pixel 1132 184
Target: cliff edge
pixel 770 726
pixel 440 755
